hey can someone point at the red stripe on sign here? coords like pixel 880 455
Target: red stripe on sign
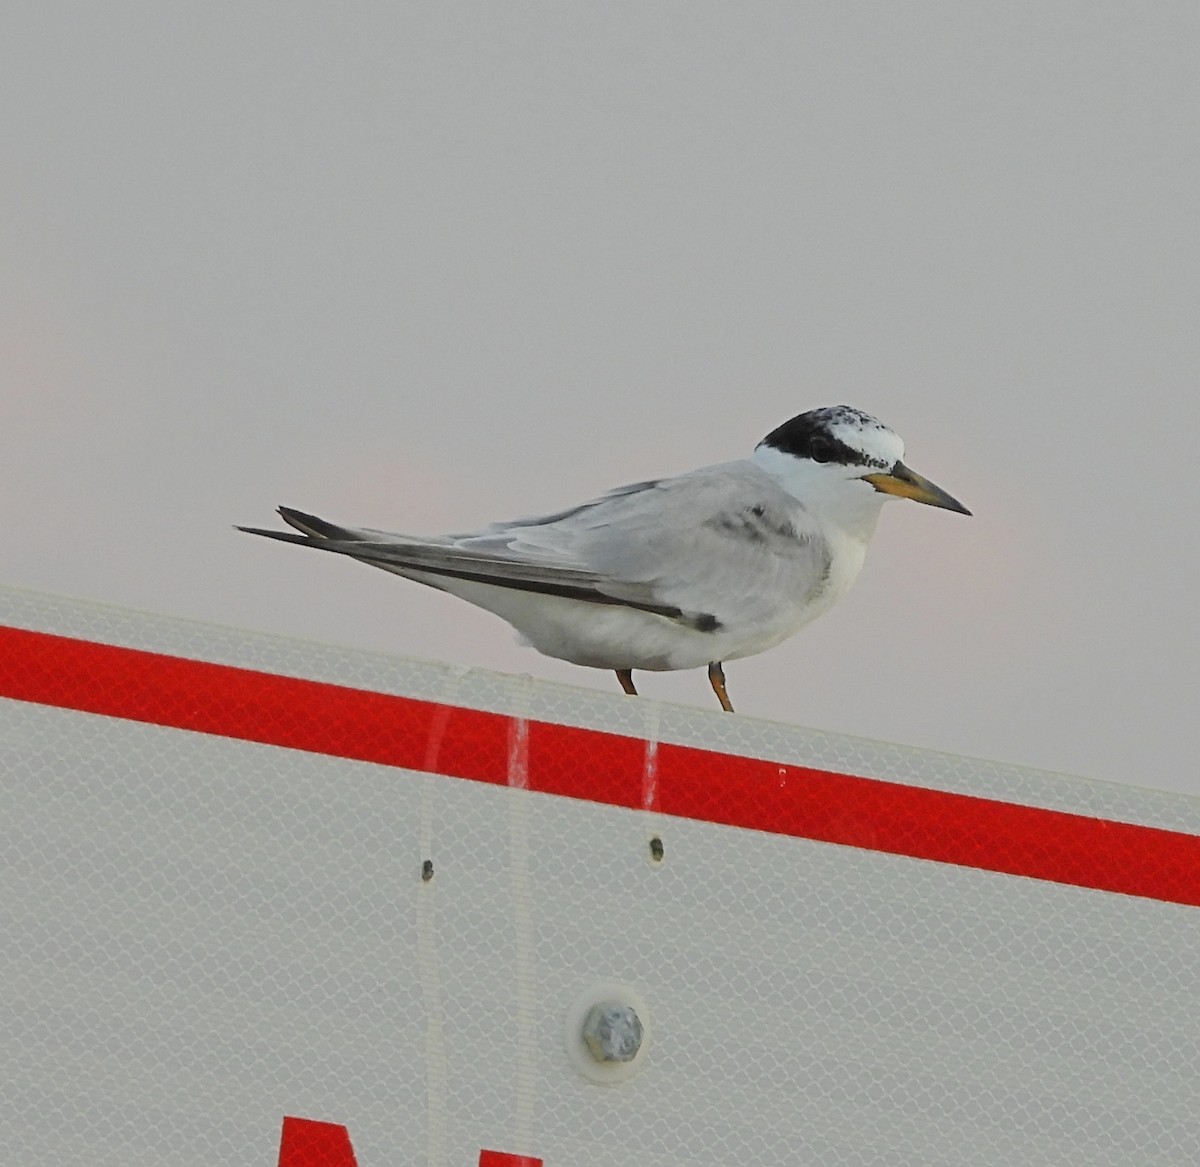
pixel 306 1143
pixel 500 1159
pixel 692 783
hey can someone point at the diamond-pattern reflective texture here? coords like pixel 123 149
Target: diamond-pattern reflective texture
pixel 203 935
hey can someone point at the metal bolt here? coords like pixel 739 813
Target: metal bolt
pixel 613 1032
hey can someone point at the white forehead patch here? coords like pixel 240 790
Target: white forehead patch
pixel 860 431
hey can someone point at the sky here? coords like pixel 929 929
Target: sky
pixel 421 266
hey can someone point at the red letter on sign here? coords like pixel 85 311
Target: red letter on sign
pixel 305 1143
pixel 500 1159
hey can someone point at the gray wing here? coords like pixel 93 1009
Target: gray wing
pixel 683 548
pixel 724 535
pixel 429 559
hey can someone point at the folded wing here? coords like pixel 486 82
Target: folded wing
pixel 683 548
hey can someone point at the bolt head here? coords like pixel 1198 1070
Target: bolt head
pixel 612 1032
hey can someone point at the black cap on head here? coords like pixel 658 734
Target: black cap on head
pixel 812 435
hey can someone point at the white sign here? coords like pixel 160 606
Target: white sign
pixel 269 903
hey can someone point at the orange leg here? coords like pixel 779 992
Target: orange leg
pixel 716 678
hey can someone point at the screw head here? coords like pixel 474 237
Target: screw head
pixel 608 1033
pixel 613 1032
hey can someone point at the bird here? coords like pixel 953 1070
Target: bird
pixel 684 572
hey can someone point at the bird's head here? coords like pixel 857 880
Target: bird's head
pixel 846 463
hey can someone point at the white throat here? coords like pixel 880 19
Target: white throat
pixel 830 492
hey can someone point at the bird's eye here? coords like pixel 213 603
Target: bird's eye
pixel 822 450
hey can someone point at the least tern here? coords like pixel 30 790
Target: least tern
pixel 671 573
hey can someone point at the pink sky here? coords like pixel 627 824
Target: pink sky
pixel 418 271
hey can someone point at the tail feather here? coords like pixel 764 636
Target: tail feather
pixel 316 527
pixel 282 536
pixel 315 530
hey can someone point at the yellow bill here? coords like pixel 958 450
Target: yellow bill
pixel 906 483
